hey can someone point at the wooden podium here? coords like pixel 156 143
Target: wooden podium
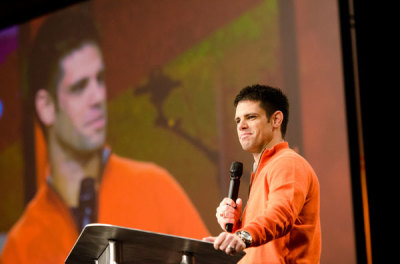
pixel 108 244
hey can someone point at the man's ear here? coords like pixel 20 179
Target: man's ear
pixel 277 119
pixel 45 107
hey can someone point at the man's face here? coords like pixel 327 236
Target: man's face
pixel 81 115
pixel 253 128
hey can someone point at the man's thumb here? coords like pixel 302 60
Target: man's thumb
pixel 239 203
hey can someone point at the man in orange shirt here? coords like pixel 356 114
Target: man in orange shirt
pixel 86 182
pixel 281 222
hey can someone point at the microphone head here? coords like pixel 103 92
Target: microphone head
pixel 236 169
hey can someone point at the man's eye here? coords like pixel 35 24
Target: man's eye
pixel 100 77
pixel 78 87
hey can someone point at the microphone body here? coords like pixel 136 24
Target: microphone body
pixel 236 171
pixel 87 211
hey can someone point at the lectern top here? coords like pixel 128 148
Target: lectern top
pixel 138 246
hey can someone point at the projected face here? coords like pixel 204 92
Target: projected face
pixel 253 128
pixel 81 116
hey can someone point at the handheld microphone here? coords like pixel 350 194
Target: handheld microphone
pixel 235 172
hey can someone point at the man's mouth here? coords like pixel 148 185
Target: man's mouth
pixel 244 135
pixel 97 122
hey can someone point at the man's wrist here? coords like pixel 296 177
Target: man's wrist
pixel 245 237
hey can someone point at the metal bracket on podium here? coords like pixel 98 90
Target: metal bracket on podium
pixel 187 258
pixel 107 244
pixel 109 255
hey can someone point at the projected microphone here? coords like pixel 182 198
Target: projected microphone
pixel 87 212
pixel 236 172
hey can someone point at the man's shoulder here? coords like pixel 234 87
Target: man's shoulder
pixel 288 158
pixel 31 222
pixel 289 154
pixel 42 227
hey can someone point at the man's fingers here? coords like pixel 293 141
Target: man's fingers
pixel 225 209
pixel 226 214
pixel 229 243
pixel 224 243
pixel 231 249
pixel 228 201
pixel 219 241
pixel 209 239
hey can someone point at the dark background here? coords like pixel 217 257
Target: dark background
pixel 371 23
pixel 374 57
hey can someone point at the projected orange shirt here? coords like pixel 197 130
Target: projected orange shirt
pixel 132 194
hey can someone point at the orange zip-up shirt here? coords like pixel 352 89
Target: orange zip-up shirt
pixel 132 194
pixel 282 212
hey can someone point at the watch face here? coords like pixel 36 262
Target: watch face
pixel 246 237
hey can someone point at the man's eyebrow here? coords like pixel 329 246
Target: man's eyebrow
pixel 251 114
pixel 247 114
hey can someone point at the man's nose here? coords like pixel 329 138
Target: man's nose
pixel 98 92
pixel 242 125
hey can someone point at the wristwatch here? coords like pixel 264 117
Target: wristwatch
pixel 245 237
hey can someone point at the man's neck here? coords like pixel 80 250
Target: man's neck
pixel 68 169
pixel 270 145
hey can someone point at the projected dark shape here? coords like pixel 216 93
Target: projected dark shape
pixel 159 87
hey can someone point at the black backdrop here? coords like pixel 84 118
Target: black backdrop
pixel 376 87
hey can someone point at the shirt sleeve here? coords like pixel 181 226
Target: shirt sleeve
pixel 286 186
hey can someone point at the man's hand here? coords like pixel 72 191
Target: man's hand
pixel 229 212
pixel 227 242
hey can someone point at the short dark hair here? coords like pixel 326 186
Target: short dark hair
pixel 59 35
pixel 271 100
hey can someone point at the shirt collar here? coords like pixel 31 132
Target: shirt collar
pixel 267 153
